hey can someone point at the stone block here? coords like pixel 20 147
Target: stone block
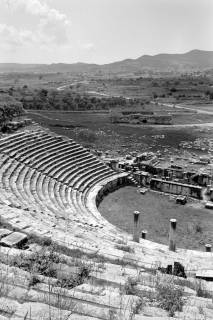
pixel 209 205
pixel 15 239
pixel 205 274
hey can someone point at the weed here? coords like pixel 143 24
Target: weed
pixel 138 306
pixel 184 283
pixel 43 242
pixel 40 262
pixel 34 280
pixel 124 248
pixel 44 262
pixel 198 228
pixel 56 297
pixel 201 291
pixel 129 286
pixel 201 310
pixel 121 241
pixel 169 297
pixel 76 279
pixel 86 135
pixel 4 288
pixel 112 315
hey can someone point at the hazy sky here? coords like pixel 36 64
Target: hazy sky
pixel 101 31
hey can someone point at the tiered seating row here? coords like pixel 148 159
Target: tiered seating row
pixel 49 175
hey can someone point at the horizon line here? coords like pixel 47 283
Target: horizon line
pixel 102 64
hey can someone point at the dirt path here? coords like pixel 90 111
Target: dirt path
pixel 170 126
pixel 162 126
pixel 50 118
pixel 61 88
pixel 42 115
pixel 180 106
pixel 107 95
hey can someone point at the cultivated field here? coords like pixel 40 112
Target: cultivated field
pixel 104 135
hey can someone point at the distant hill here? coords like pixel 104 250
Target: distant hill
pixel 19 67
pixel 195 60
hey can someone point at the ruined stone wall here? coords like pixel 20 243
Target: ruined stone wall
pixel 143 118
pixel 176 188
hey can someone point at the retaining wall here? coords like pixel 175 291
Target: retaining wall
pixel 110 186
pixel 101 189
pixel 176 188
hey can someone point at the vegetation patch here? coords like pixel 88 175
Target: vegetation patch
pixel 202 292
pixel 130 285
pixel 10 108
pixel 86 135
pixel 125 248
pixel 169 297
pixel 74 280
pixel 40 262
pixel 46 262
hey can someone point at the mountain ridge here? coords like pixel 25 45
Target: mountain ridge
pixel 193 60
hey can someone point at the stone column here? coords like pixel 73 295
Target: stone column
pixel 172 235
pixel 143 234
pixel 208 247
pixel 136 228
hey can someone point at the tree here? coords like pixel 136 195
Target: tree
pixel 9 109
pixel 43 94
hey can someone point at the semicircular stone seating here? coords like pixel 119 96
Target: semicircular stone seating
pixel 50 186
pixel 47 177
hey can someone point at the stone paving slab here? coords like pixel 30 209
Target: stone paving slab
pixel 14 239
pixel 20 224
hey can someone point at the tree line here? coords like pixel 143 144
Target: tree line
pixel 68 100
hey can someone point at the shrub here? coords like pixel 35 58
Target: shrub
pixel 129 286
pixel 75 280
pixel 202 292
pixel 44 262
pixel 137 307
pixel 41 262
pixel 170 297
pixel 33 280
